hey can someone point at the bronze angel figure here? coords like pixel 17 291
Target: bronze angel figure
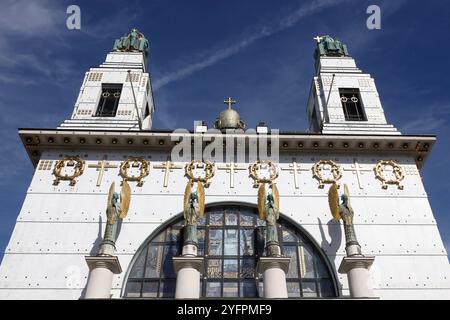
pixel 269 210
pixel 116 210
pixel 193 209
pixel 343 211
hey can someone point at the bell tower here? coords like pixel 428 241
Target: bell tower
pixel 117 95
pixel 343 99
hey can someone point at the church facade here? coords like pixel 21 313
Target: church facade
pixel 116 209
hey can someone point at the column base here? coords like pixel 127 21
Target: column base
pixel 274 271
pixel 101 271
pixel 349 263
pixel 109 262
pixel 357 270
pixel 188 270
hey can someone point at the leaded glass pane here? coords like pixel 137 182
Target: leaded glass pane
pixel 173 234
pixel 201 241
pixel 201 221
pixel 231 219
pixel 230 289
pixel 231 242
pixel 230 268
pixel 133 289
pixel 293 289
pixel 246 242
pixel 216 219
pixel 160 237
pixel 167 289
pixel 248 289
pixel 309 289
pixel 214 268
pixel 150 289
pixel 170 251
pixel 154 262
pixel 326 288
pixel 260 222
pixel 246 219
pixel 306 262
pixel 247 268
pixel 213 289
pixel 215 242
pixel 138 268
pixel 288 236
pixel 291 251
pixel 322 270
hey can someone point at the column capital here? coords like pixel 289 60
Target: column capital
pixel 188 262
pixel 349 263
pixel 265 263
pixel 109 262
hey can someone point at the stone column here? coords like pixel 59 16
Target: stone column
pixel 101 271
pixel 188 268
pixel 357 269
pixel 274 271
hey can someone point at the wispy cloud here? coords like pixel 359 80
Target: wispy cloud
pixel 245 41
pixel 435 118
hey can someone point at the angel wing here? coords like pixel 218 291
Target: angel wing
pixel 347 193
pixel 187 193
pixel 333 201
pixel 276 200
pixel 109 207
pixel 262 201
pixel 125 198
pixel 201 198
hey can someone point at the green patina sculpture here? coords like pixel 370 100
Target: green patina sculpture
pixel 345 212
pixel 194 207
pixel 271 219
pixel 327 46
pixel 116 211
pixel 134 41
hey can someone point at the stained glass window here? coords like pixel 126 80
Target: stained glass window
pixel 231 238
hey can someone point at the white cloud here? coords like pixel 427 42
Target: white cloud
pixel 262 32
pixel 30 18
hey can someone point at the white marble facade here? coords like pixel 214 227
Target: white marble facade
pixel 59 225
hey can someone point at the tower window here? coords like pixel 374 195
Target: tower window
pixel 109 100
pixel 147 111
pixel 351 103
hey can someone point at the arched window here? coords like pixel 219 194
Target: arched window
pixel 231 238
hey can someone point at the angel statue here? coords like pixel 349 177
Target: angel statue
pixel 116 211
pixel 269 210
pixel 345 212
pixel 194 208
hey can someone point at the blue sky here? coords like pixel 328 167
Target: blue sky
pixel 259 52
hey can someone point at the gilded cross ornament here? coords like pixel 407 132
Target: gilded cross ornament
pixel 167 167
pixel 101 167
pixel 231 168
pixel 78 168
pixel 229 102
pixel 395 173
pixel 324 165
pixel 317 39
pixel 358 170
pixel 295 169
pixel 134 162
